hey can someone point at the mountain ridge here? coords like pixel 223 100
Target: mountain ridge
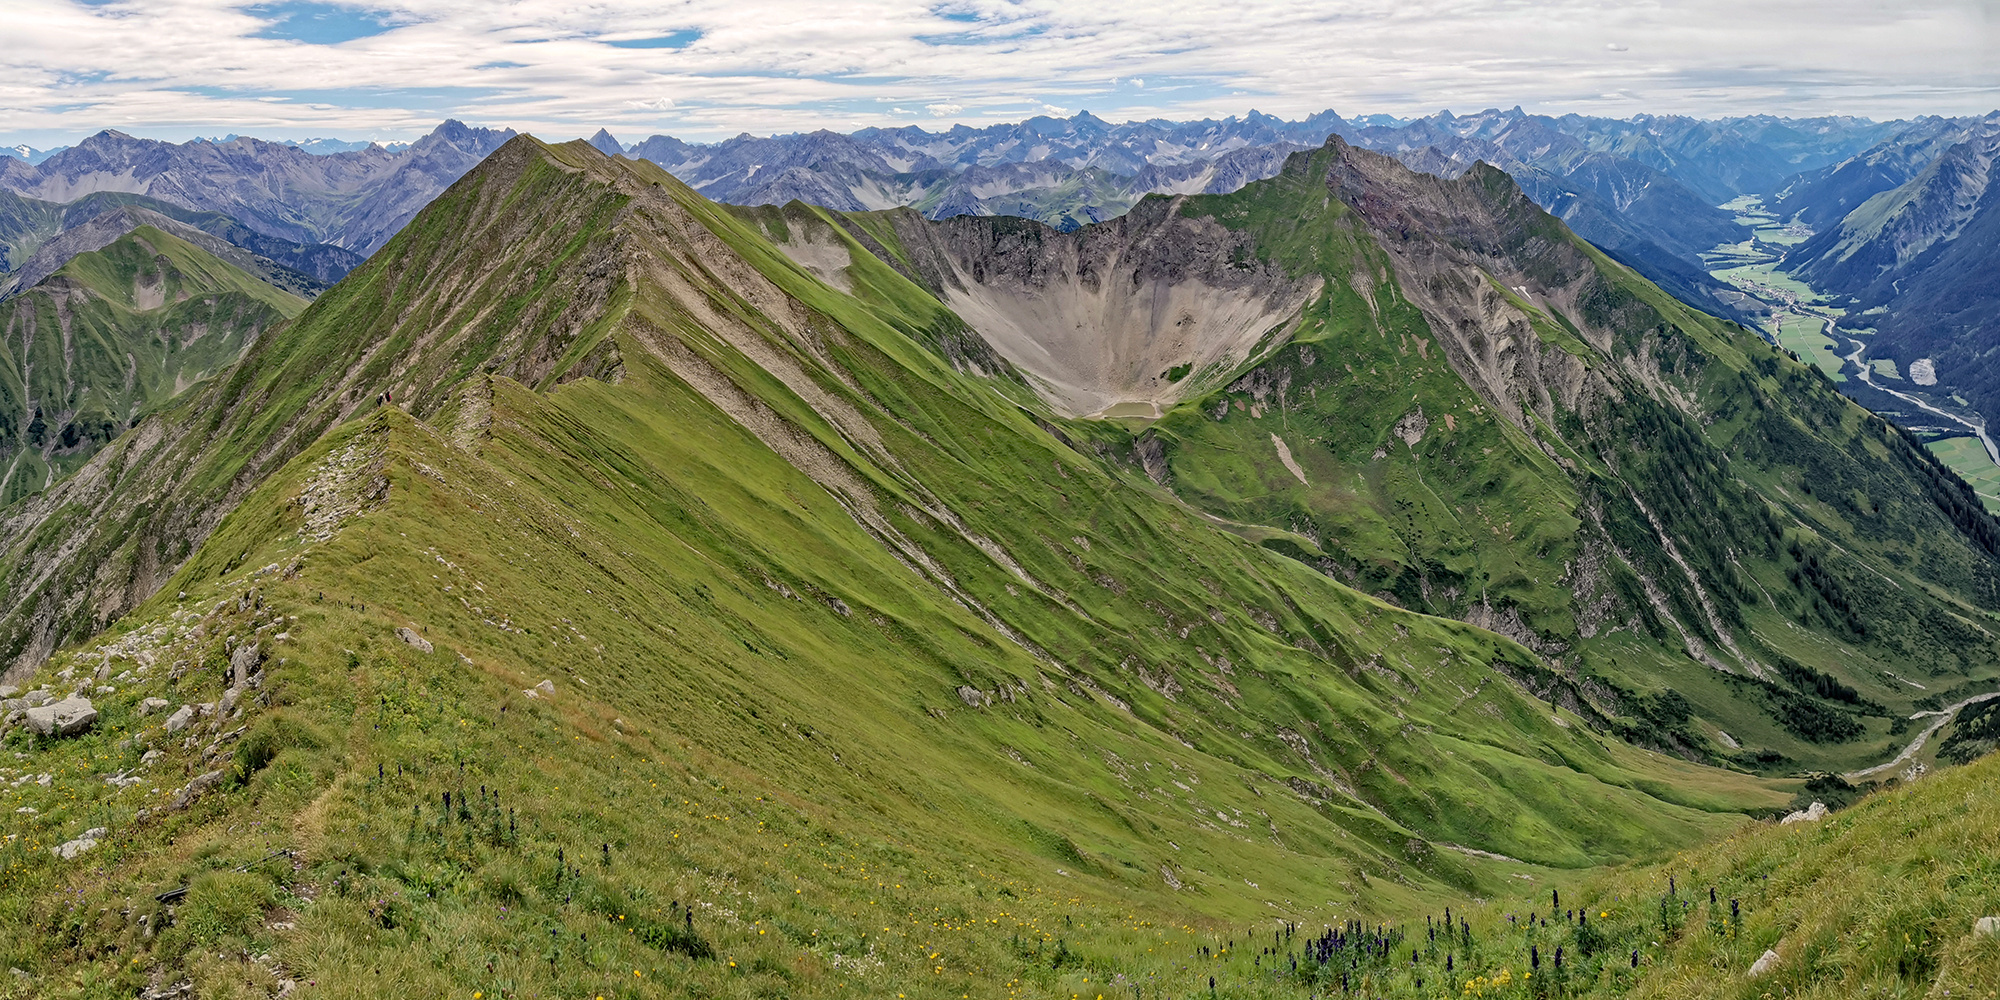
pixel 843 660
pixel 355 200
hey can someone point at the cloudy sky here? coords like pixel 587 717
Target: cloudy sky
pixel 708 69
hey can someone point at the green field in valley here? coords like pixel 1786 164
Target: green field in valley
pixel 1969 459
pixel 1804 334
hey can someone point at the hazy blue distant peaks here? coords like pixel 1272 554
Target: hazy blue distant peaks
pixel 318 146
pixel 606 144
pixel 325 146
pixel 30 153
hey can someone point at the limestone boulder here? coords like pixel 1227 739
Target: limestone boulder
pixel 1765 963
pixel 410 636
pixel 1810 814
pixel 64 718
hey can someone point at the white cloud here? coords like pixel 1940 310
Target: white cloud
pixel 176 68
pixel 1050 109
pixel 943 110
pixel 1615 47
pixel 656 104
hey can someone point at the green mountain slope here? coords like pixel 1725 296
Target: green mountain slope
pixel 111 335
pixel 848 653
pixel 24 224
pixel 868 671
pixel 1449 401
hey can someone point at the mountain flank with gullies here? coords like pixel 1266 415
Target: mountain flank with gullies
pixel 1449 401
pixel 124 313
pixel 604 591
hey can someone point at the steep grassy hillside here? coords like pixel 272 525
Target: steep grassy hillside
pixel 111 335
pixel 1477 415
pixel 24 224
pixel 849 657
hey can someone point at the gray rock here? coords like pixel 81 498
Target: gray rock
pixel 1765 963
pixel 38 697
pixel 9 690
pixel 410 636
pixel 151 705
pixel 972 696
pixel 194 790
pixel 245 660
pixel 1987 927
pixel 1810 814
pixel 64 718
pixel 181 719
pixel 229 699
pixel 71 848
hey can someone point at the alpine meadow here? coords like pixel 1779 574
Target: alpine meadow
pixel 505 568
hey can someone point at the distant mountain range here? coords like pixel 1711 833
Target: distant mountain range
pixel 352 200
pixel 29 153
pixel 324 146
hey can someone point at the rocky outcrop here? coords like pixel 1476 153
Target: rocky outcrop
pixel 71 848
pixel 410 637
pixel 1765 964
pixel 1811 814
pixel 1459 248
pixel 67 717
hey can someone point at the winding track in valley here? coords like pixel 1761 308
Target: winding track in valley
pixel 1917 744
pixel 1868 376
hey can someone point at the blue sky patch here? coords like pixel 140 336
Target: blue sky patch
pixel 316 23
pixel 671 40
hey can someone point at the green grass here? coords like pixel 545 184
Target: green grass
pixel 1764 280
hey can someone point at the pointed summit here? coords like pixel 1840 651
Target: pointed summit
pixel 607 144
